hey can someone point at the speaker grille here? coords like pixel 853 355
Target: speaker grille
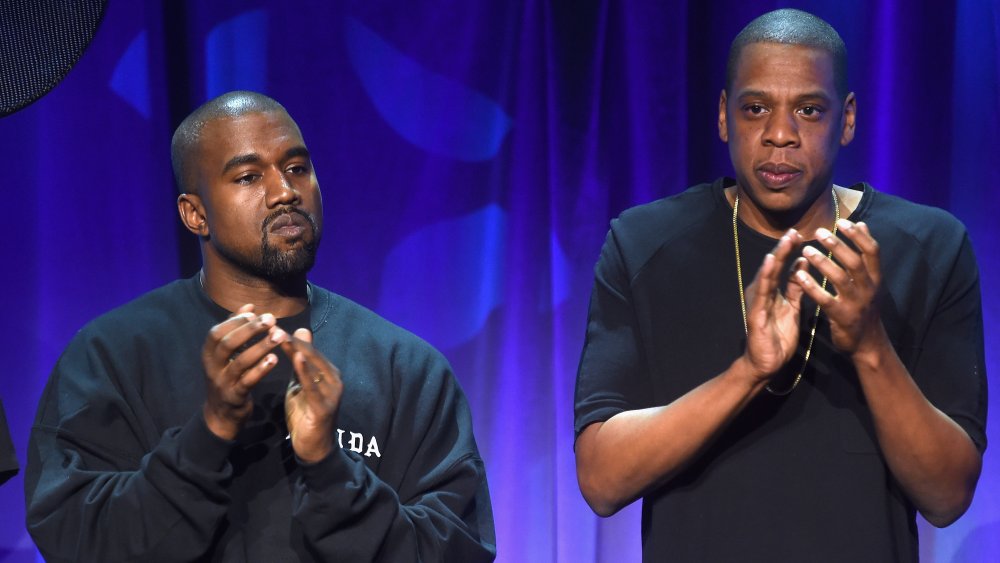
pixel 40 41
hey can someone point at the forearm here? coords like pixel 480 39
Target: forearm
pixel 929 454
pixel 167 508
pixel 348 513
pixel 634 451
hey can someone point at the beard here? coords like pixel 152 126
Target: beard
pixel 279 265
pixel 273 263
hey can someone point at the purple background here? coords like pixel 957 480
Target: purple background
pixel 471 155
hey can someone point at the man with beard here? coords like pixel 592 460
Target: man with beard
pixel 808 415
pixel 246 414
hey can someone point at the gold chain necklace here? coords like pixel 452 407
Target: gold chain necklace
pixel 743 302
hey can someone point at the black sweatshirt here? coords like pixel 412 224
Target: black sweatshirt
pixel 121 466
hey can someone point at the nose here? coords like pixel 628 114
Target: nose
pixel 281 192
pixel 781 130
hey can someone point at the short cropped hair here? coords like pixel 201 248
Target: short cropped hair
pixel 188 133
pixel 791 27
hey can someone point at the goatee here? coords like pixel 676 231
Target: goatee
pixel 281 265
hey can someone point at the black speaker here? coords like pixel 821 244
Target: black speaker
pixel 40 41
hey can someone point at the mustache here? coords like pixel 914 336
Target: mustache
pixel 285 210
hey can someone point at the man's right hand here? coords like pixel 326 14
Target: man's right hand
pixel 773 315
pixel 231 372
pixel 637 451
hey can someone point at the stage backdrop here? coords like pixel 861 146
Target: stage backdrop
pixel 471 155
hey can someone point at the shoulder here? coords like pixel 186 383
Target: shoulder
pixel 639 232
pixel 124 344
pixel 667 216
pixel 342 323
pixel 165 305
pixel 896 222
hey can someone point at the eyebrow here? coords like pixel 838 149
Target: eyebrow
pixel 251 158
pixel 814 95
pixel 298 151
pixel 240 159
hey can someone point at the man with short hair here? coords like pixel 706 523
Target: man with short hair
pixel 246 414
pixel 808 415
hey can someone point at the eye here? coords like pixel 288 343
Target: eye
pixel 247 179
pixel 754 109
pixel 298 169
pixel 811 111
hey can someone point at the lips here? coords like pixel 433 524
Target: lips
pixel 289 224
pixel 777 175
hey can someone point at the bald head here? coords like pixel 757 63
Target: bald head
pixel 792 27
pixel 184 144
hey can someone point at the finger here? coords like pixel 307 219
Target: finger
pixel 828 268
pixel 793 291
pixel 318 377
pixel 236 320
pixel 764 288
pixel 301 338
pixel 786 247
pixel 230 347
pixel 861 236
pixel 843 253
pixel 251 377
pixel 290 346
pixel 218 332
pixel 294 347
pixel 321 387
pixel 301 342
pixel 303 334
pixel 248 357
pixel 311 378
pixel 294 388
pixel 248 308
pixel 813 289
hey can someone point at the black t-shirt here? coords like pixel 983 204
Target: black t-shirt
pixel 794 478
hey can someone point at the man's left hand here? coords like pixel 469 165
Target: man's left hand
pixel 312 399
pixel 855 277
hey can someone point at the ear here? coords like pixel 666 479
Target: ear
pixel 850 115
pixel 723 132
pixel 192 213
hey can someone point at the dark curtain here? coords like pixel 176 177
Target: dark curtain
pixel 471 155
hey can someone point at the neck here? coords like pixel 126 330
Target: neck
pixel 233 289
pixel 805 220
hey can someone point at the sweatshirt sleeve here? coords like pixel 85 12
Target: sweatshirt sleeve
pixel 430 500
pixel 101 484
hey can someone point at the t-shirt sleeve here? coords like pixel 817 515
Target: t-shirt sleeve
pixel 611 378
pixel 950 367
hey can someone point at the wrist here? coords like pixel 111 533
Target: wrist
pixel 872 349
pixel 312 454
pixel 220 425
pixel 743 371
